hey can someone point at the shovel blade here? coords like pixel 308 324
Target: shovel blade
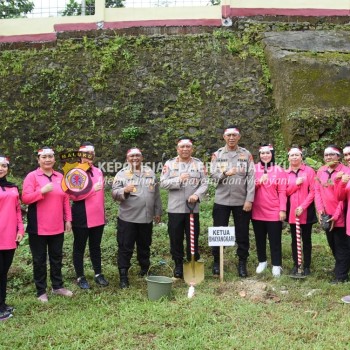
pixel 194 272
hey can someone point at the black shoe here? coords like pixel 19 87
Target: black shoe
pixel 216 269
pixel 242 269
pixel 339 280
pixel 294 270
pixel 144 272
pixel 178 271
pixel 4 315
pixel 307 271
pixel 124 281
pixel 101 281
pixel 83 283
pixel 9 308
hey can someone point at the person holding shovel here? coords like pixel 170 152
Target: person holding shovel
pixel 300 203
pixel 186 180
pixel 136 188
pixel 232 169
pixel 327 202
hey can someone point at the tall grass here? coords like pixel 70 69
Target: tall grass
pixel 256 313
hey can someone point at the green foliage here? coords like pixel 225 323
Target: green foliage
pixel 131 133
pixel 74 8
pixel 220 316
pixel 15 8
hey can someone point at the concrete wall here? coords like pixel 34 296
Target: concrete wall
pixel 45 29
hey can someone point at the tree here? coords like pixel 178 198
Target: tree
pixel 15 8
pixel 74 9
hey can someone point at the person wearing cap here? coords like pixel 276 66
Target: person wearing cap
pixel 232 169
pixel 11 231
pixel 300 203
pixel 269 209
pixel 186 180
pixel 49 216
pixel 136 188
pixel 88 212
pixel 327 202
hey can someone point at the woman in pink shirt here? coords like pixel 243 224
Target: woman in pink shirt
pixel 88 212
pixel 269 209
pixel 11 231
pixel 49 215
pixel 300 202
pixel 327 202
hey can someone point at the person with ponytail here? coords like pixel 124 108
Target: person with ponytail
pixel 269 209
pixel 11 231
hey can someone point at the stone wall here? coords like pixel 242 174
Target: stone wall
pixel 119 92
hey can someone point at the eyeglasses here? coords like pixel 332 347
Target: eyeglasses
pixel 330 154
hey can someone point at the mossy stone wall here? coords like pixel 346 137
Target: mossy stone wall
pixel 123 91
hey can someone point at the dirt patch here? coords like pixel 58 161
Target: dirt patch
pixel 250 289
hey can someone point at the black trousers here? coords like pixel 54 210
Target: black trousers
pixel 241 219
pixel 81 236
pixel 306 230
pixel 272 230
pixel 178 228
pixel 339 242
pixel 129 233
pixel 41 246
pixel 6 258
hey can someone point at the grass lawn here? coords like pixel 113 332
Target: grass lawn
pixel 255 313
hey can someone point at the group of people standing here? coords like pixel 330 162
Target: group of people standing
pixel 263 193
pixel 49 215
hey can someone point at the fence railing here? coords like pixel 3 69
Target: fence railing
pixel 51 16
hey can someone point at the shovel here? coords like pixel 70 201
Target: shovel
pixel 193 270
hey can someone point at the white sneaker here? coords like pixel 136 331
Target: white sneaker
pixel 261 267
pixel 276 271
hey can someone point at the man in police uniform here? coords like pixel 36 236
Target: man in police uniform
pixel 137 190
pixel 186 179
pixel 232 169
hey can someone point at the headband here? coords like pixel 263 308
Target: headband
pixel 4 160
pixel 346 149
pixel 133 151
pixel 45 151
pixel 332 150
pixel 87 148
pixel 267 148
pixel 295 150
pixel 184 142
pixel 231 131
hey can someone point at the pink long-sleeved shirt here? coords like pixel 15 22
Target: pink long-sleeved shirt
pixel 300 195
pixel 89 209
pixel 47 212
pixel 270 196
pixel 343 194
pixel 10 217
pixel 326 198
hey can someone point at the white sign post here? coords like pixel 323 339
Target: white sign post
pixel 221 237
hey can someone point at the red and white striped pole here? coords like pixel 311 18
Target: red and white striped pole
pixel 297 224
pixel 192 233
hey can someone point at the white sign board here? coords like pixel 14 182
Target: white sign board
pixel 221 236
